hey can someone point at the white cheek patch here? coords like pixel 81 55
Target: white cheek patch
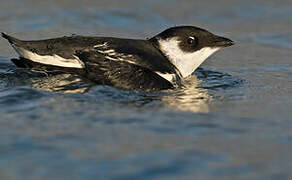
pixel 185 62
pixel 54 60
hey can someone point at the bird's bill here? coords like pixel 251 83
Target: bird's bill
pixel 222 42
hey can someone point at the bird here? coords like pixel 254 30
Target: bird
pixel 158 63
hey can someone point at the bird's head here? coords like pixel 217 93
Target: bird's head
pixel 187 47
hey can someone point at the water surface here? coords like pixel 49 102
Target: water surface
pixel 232 120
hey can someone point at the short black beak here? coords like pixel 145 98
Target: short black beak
pixel 222 42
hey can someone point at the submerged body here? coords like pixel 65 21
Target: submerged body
pixel 155 64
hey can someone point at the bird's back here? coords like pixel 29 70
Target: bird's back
pixel 139 52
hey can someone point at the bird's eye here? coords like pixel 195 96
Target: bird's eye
pixel 192 40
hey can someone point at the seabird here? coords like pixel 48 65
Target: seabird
pixel 161 62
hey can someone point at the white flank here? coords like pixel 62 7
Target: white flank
pixel 185 62
pixel 54 60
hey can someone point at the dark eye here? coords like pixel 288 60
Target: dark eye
pixel 192 40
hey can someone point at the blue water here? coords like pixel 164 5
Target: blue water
pixel 232 120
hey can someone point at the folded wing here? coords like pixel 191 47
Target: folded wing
pixel 120 74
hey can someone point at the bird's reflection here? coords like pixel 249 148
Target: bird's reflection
pixel 54 82
pixel 62 83
pixel 190 97
pixel 194 96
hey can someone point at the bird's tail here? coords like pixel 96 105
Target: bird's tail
pixel 10 39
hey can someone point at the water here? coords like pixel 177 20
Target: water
pixel 231 121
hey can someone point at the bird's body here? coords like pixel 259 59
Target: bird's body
pixel 155 64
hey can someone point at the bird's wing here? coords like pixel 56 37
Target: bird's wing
pixel 121 74
pixel 139 52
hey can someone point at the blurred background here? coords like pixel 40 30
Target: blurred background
pixel 231 121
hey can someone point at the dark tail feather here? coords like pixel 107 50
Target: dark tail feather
pixel 10 39
pixel 4 35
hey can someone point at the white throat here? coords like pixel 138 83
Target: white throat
pixel 185 62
